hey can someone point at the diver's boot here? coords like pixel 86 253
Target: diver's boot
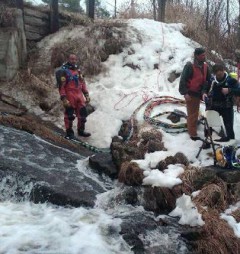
pixel 83 133
pixel 70 133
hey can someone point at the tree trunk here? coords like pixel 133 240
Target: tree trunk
pixel 227 17
pixel 133 13
pixel 54 17
pixel 207 17
pixel 90 8
pixel 115 9
pixel 19 4
pixel 161 10
pixel 154 10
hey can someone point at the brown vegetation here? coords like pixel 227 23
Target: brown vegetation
pixel 101 40
pixel 217 236
pixel 130 174
pixel 211 30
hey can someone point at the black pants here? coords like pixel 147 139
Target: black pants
pixel 227 115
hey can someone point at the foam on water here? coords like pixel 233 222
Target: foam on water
pixel 41 228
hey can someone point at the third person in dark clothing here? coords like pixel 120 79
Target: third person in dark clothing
pixel 193 78
pixel 219 95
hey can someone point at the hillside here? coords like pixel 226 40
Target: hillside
pixel 126 65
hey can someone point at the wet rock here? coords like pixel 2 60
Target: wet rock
pixel 70 195
pixel 229 175
pixel 103 164
pixel 132 226
pixel 159 200
pixel 52 170
pixel 192 234
pixel 134 241
pixel 131 196
pixel 205 176
pixel 136 228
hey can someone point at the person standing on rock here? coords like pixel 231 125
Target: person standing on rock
pixel 194 76
pixel 74 96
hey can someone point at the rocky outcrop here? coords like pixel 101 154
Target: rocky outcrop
pixel 52 170
pixel 13 50
pixel 37 24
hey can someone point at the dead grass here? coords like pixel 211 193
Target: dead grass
pixel 194 21
pixel 189 175
pixel 213 195
pixel 73 18
pixel 101 40
pixel 33 84
pixel 130 174
pixel 236 215
pixel 218 237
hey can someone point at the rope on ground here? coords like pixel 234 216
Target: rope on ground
pixel 156 101
pixel 132 96
pixel 168 127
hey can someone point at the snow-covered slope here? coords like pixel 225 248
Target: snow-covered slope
pixel 140 72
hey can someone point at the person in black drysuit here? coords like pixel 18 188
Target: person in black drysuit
pixel 219 97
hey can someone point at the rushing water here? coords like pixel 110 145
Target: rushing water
pixel 31 228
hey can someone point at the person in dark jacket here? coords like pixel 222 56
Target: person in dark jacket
pixel 219 96
pixel 193 78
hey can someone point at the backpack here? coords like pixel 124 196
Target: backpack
pixel 63 71
pixel 236 98
pixel 58 74
pixel 228 157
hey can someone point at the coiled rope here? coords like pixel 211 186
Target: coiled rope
pixel 156 101
pixel 168 127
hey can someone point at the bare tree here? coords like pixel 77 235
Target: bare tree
pixel 227 18
pixel 54 16
pixel 19 4
pixel 90 8
pixel 207 16
pixel 154 10
pixel 132 9
pixel 161 10
pixel 115 9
